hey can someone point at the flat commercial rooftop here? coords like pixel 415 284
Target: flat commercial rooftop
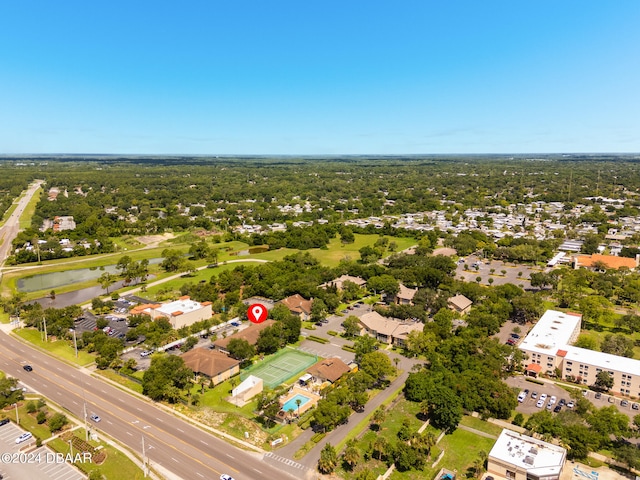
pixel 552 332
pixel 528 453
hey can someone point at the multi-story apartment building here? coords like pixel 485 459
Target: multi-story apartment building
pixel 548 347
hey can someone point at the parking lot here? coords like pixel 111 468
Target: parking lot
pixel 518 274
pixel 529 405
pixel 31 462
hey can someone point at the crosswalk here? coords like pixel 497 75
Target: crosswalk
pixel 272 457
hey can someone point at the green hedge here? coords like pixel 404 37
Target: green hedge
pixel 347 348
pixel 317 339
pixel 533 380
pixel 317 437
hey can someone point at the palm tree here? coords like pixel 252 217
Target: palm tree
pixel 328 459
pixel 351 454
pixel 298 402
pixel 380 446
pixel 378 415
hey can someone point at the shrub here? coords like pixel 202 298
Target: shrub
pixel 57 421
pixel 41 417
pixel 317 339
pixel 31 407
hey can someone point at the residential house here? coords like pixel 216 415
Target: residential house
pixel 405 295
pixel 298 306
pixel 213 364
pixel 460 304
pixel 250 334
pixel 328 370
pixel 339 282
pixel 387 330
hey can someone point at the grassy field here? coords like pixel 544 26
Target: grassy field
pixel 62 349
pixel 337 251
pixel 27 215
pixel 119 379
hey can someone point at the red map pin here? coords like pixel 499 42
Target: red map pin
pixel 257 313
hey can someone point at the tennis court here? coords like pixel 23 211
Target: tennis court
pixel 280 367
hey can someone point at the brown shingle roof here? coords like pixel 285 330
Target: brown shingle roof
pixel 298 304
pixel 329 369
pixel 208 362
pixel 250 334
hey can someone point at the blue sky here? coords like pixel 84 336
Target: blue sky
pixel 330 77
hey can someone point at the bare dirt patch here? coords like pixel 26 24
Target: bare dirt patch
pixel 154 240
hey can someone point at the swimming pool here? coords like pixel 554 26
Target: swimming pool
pixel 291 403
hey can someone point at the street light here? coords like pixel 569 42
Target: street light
pixel 17 417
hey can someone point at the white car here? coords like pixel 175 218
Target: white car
pixel 522 396
pixel 24 437
pixel 543 397
pixel 224 476
pixel 540 403
pixel 552 400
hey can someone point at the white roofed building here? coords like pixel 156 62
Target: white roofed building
pixel 180 313
pixel 548 347
pixel 519 457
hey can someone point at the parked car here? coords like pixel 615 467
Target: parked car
pixel 4 421
pixel 521 397
pixel 624 403
pixel 552 400
pixel 570 404
pixel 598 395
pixel 635 406
pixel 540 403
pixel 24 437
pixel 612 400
pixel 534 395
pixel 543 396
pixel 515 335
pixel 557 409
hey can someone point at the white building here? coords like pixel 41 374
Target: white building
pixel 548 347
pixel 518 457
pixel 180 313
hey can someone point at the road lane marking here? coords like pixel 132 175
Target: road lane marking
pixel 159 419
pixel 179 429
pixel 130 434
pixel 175 460
pixel 202 441
pixel 230 456
pixel 199 474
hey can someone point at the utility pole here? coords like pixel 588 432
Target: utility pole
pixel 17 417
pixel 44 320
pixel 75 343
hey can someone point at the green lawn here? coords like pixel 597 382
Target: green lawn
pixel 116 466
pixel 62 349
pixel 481 425
pixel 119 379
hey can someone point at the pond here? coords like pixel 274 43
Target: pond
pixel 51 281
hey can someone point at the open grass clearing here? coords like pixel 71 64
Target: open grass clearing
pixel 62 349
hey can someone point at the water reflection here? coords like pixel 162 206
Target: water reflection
pixel 51 281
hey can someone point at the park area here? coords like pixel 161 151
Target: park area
pixel 457 451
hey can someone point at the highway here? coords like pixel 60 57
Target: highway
pixel 178 447
pixel 9 230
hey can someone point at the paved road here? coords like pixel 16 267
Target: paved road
pixel 171 443
pixel 10 229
